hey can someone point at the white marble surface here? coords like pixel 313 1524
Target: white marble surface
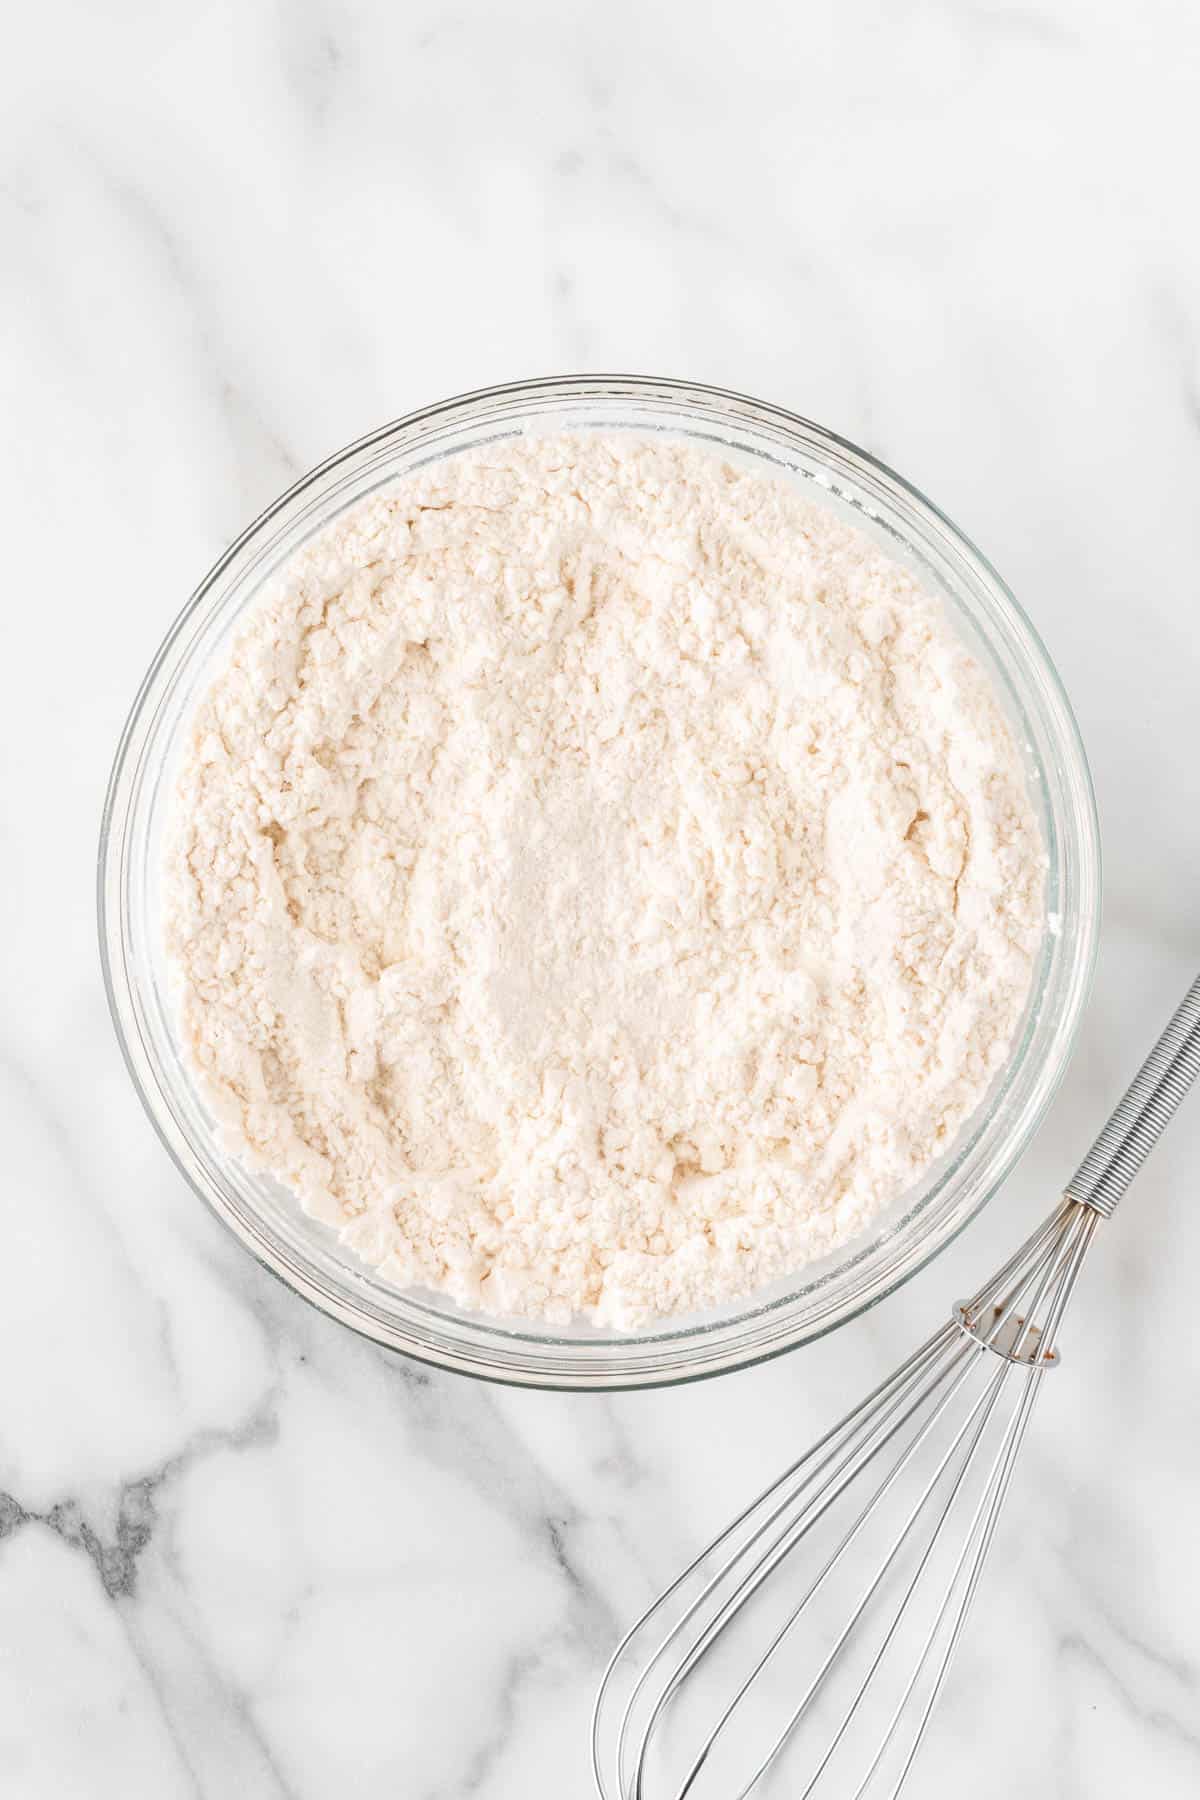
pixel 242 1552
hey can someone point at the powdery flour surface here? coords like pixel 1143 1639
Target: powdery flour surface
pixel 600 881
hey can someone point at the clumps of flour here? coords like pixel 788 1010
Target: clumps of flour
pixel 600 880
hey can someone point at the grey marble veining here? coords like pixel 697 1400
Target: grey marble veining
pixel 240 1551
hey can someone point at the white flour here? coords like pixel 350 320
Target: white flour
pixel 601 881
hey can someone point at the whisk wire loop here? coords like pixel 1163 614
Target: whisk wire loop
pixel 889 1395
pixel 978 1417
pixel 958 1369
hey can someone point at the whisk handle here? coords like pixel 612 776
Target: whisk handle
pixel 1150 1100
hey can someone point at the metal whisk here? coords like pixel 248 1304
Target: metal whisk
pixel 823 1620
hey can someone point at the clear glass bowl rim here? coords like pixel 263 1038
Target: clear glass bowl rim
pixel 470 1343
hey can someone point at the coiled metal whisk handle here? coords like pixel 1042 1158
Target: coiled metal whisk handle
pixel 1150 1100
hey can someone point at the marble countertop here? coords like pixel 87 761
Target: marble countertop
pixel 242 1552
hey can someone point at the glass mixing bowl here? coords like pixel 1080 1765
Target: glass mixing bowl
pixel 304 1253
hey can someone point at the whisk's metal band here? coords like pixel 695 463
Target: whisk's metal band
pixel 1016 1333
pixel 1150 1100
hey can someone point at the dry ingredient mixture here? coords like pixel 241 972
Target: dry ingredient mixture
pixel 600 880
